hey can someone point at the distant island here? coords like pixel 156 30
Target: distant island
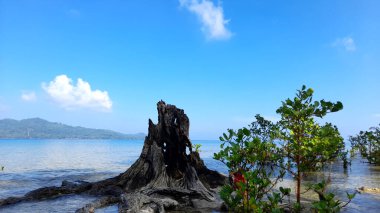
pixel 37 128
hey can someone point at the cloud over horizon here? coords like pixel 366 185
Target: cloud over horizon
pixel 28 96
pixel 347 43
pixel 211 17
pixel 70 96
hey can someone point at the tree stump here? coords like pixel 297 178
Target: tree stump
pixel 168 175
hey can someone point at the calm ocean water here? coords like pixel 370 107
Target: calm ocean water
pixel 31 164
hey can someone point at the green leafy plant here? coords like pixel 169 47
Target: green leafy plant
pixel 327 202
pixel 306 144
pixel 252 153
pixel 197 147
pixel 297 144
pixel 368 144
pixel 346 161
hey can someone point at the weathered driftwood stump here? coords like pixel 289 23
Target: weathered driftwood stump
pixel 168 175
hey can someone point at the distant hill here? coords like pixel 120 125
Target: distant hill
pixel 42 129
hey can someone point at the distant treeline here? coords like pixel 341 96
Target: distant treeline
pixel 42 129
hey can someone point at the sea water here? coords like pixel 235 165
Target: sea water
pixel 31 164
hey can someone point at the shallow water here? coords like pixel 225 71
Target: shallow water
pixel 342 181
pixel 31 164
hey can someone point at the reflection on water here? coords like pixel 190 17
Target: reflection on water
pixel 342 181
pixel 30 164
pixel 59 205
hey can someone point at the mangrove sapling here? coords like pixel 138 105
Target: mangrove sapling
pixel 327 201
pixel 251 156
pixel 197 147
pixel 346 161
pixel 368 144
pixel 306 144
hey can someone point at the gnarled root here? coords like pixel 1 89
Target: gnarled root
pixel 99 203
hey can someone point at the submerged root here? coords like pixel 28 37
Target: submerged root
pixel 49 192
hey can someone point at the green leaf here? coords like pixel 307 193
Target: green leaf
pixel 246 132
pixel 316 103
pixel 225 137
pixel 350 196
pixel 310 92
pixel 338 106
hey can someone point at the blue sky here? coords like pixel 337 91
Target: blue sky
pixel 221 61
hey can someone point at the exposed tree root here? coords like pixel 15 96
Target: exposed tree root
pixel 99 203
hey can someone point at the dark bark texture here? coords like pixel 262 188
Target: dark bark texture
pixel 168 175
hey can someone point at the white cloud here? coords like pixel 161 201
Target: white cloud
pixel 70 96
pixel 347 43
pixel 211 17
pixel 28 96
